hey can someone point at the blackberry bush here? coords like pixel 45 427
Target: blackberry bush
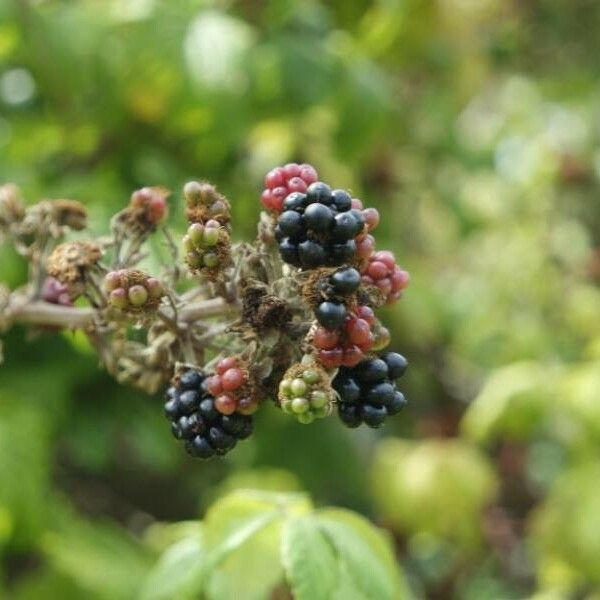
pixel 223 326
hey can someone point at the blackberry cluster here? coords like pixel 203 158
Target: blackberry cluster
pixel 133 290
pixel 317 228
pixel 368 391
pixel 195 419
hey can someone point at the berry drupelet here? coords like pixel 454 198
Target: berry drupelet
pixel 368 391
pixel 195 419
pixel 282 181
pixel 317 228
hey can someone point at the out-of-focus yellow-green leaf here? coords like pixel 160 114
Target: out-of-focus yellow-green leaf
pixel 436 486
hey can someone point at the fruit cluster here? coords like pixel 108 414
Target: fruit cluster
pixel 207 246
pixel 132 290
pixel 148 207
pixel 195 419
pixel 382 271
pixel 367 393
pixel 317 228
pixel 305 392
pixel 229 386
pixel 346 344
pixel 205 203
pixel 282 181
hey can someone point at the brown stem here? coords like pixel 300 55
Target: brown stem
pixel 44 313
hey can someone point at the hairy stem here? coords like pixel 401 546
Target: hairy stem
pixel 53 315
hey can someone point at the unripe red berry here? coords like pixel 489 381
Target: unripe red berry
pixel 232 379
pixel 155 288
pixel 226 404
pixel 358 331
pixel 295 184
pixel 225 364
pixel 356 203
pixel 377 270
pixel 331 359
pixel 352 356
pixel 324 339
pixel 371 216
pixel 365 245
pixel 291 170
pixel 214 385
pixel 274 178
pixel 366 313
pixel 308 174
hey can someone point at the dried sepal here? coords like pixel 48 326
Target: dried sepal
pixel 12 208
pixel 70 262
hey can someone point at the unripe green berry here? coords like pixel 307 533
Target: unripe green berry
pixel 195 233
pixel 298 387
pixel 188 244
pixel 194 260
pixel 155 288
pixel 300 405
pixel 118 298
pixel 318 399
pixel 112 281
pixel 311 376
pixel 192 191
pixel 286 407
pixel 285 387
pixel 210 260
pixel 305 418
pixel 210 236
pixel 320 413
pixel 138 296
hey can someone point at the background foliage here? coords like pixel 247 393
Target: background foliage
pixel 473 125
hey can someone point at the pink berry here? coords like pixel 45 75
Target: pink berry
pixel 384 285
pixel 367 280
pixel 324 339
pixel 366 313
pixel 358 331
pixel 377 270
pixel 386 257
pixel 112 281
pixel 247 406
pixel 274 178
pixel 356 203
pixel 225 404
pixel 291 170
pixel 158 210
pixel 266 200
pixel 118 298
pixel 214 385
pixel 400 279
pixel 352 356
pixel 226 364
pixel 155 288
pixel 371 216
pixel 308 174
pixel 368 343
pixel 295 184
pixel 331 358
pixel 365 246
pixel 232 379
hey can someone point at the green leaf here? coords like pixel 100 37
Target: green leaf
pixel 242 536
pixel 179 573
pixel 308 559
pixel 99 557
pixel 364 556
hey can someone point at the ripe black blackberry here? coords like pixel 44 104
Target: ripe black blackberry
pixel 195 420
pixel 368 391
pixel 317 228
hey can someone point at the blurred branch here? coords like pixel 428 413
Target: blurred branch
pixel 53 315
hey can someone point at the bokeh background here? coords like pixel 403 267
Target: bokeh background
pixel 474 126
